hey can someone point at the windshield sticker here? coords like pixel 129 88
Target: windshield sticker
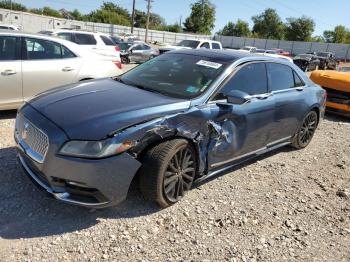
pixel 209 64
pixel 192 89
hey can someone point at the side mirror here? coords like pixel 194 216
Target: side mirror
pixel 238 97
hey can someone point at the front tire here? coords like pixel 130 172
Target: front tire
pixel 168 172
pixel 306 132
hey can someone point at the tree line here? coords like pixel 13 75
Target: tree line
pixel 268 24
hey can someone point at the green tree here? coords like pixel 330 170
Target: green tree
pixel 240 28
pixel 299 29
pixel 109 13
pixel 46 11
pixel 202 18
pixel 317 38
pixel 340 34
pixel 268 25
pixel 76 14
pixel 155 20
pixel 15 6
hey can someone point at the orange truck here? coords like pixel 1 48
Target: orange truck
pixel 337 85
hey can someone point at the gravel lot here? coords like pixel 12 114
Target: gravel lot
pixel 287 205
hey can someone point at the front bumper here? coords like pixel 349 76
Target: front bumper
pixel 89 183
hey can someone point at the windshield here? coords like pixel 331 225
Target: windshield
pixel 188 43
pixel 176 75
pixel 124 46
pixel 302 56
pixel 322 54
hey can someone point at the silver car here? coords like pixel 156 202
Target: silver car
pixel 137 52
pixel 31 64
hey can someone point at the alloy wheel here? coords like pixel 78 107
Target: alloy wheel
pixel 179 174
pixel 308 128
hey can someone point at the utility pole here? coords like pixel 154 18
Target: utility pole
pixel 133 17
pixel 148 15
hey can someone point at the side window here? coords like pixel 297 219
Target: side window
pixel 66 53
pixel 85 39
pixel 137 47
pixel 5 27
pixel 65 36
pixel 42 49
pixel 280 76
pixel 205 45
pixel 297 80
pixel 146 47
pixel 215 46
pixel 7 48
pixel 250 79
pixel 107 40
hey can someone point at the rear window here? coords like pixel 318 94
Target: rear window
pixel 65 36
pixel 215 46
pixel 4 27
pixel 107 40
pixel 85 39
pixel 7 48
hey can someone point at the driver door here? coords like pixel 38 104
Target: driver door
pixel 241 129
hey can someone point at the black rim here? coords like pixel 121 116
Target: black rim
pixel 308 129
pixel 179 174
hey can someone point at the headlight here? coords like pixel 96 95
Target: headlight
pixel 95 149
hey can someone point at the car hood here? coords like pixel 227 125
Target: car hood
pixel 91 110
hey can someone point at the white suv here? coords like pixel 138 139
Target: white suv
pixel 192 44
pixel 99 43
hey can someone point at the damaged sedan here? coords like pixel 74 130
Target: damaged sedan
pixel 176 119
pixel 307 62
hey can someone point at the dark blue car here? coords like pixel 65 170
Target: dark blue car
pixel 178 118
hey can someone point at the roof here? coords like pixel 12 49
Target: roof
pixel 224 55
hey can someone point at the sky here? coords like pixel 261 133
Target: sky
pixel 326 14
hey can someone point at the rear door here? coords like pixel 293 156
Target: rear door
pixel 288 91
pixel 242 129
pixel 10 72
pixel 47 64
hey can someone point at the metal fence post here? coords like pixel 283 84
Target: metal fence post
pixel 327 47
pixel 292 52
pixel 310 47
pixel 265 44
pixel 231 42
pixel 347 53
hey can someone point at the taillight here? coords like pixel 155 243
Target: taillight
pixel 117 48
pixel 118 64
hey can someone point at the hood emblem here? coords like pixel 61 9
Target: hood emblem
pixel 25 131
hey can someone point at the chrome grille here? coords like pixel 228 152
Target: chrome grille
pixel 33 141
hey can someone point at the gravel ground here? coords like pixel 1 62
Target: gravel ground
pixel 287 205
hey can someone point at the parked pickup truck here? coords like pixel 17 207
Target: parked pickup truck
pixel 191 44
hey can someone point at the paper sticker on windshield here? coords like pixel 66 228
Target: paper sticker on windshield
pixel 209 64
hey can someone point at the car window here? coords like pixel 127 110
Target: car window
pixel 85 39
pixel 65 36
pixel 137 47
pixel 7 48
pixel 280 77
pixel 215 46
pixel 38 49
pixel 66 53
pixel 146 47
pixel 250 79
pixel 4 27
pixel 297 80
pixel 205 45
pixel 107 40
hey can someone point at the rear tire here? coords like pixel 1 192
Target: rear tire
pixel 306 132
pixel 168 172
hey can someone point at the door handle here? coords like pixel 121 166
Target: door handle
pixel 8 72
pixel 263 96
pixel 67 69
pixel 299 88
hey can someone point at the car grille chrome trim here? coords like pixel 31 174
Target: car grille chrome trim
pixel 33 141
